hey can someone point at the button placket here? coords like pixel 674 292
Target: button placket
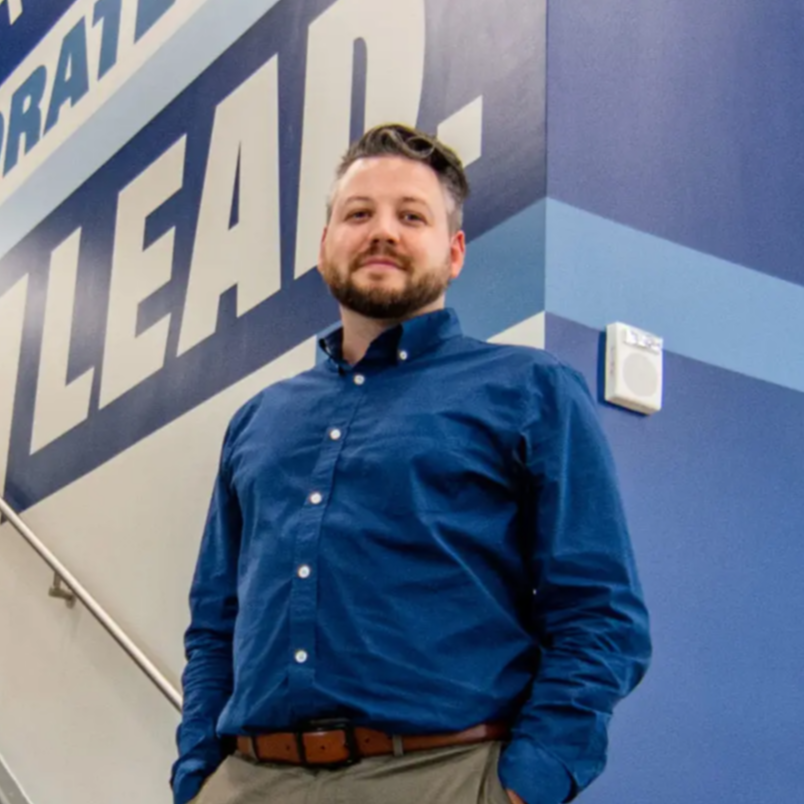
pixel 304 587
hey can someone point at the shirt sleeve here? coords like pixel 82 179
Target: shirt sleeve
pixel 589 617
pixel 208 675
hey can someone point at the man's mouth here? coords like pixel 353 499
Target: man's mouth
pixel 381 263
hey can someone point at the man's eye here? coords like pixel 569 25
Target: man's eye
pixel 413 216
pixel 357 214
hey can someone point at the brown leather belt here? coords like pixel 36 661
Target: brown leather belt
pixel 337 743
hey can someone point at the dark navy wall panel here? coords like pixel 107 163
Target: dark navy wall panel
pixel 714 490
pixel 28 30
pixel 684 119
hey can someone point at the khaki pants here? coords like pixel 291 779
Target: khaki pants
pixel 456 775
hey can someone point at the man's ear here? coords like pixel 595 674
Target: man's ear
pixel 457 253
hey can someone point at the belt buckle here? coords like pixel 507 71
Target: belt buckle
pixel 325 725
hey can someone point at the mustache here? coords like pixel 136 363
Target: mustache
pixel 384 252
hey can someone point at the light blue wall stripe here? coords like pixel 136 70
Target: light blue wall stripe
pixel 706 308
pixel 502 282
pixel 191 50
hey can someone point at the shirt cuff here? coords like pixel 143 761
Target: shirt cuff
pixel 533 774
pixel 187 781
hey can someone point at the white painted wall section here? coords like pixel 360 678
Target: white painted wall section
pixel 73 703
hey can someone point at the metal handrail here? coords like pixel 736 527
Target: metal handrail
pixel 117 633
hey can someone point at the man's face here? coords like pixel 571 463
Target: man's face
pixel 387 252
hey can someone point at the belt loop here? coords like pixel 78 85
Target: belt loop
pixel 253 743
pixel 399 748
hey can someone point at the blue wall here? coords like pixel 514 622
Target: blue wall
pixel 713 490
pixel 675 190
pixel 684 119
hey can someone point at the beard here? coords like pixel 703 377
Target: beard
pixel 421 288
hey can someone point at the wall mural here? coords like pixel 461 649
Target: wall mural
pixel 185 262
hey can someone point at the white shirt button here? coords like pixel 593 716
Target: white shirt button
pixel 304 571
pixel 403 355
pixel 300 656
pixel 359 379
pixel 335 434
pixel 316 498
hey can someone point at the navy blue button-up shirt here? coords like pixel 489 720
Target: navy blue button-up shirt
pixel 430 539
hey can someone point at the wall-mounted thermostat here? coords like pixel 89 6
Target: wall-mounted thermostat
pixel 633 368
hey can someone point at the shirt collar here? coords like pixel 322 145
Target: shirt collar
pixel 404 342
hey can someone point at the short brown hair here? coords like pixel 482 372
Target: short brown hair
pixel 396 139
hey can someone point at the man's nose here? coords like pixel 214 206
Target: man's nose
pixel 385 229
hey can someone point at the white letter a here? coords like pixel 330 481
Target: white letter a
pixel 245 143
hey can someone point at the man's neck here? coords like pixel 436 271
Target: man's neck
pixel 359 331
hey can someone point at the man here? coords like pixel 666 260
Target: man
pixel 415 582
